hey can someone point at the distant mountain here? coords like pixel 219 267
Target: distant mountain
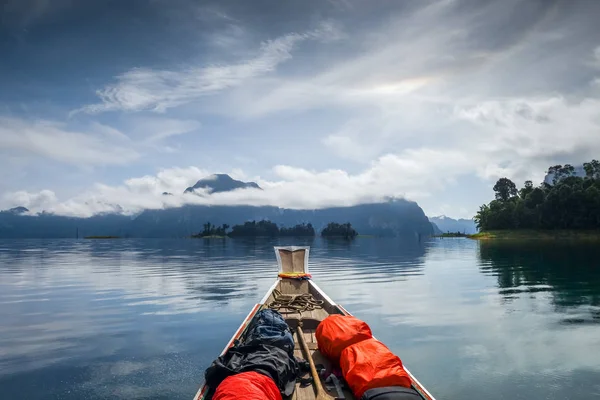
pixel 54 226
pixel 18 210
pixel 436 230
pixel 446 224
pixel 400 218
pixel 397 218
pixel 220 183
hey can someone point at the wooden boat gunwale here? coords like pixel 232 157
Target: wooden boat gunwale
pixel 204 390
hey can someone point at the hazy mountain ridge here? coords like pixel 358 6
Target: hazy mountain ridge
pixel 218 183
pixel 436 230
pixel 447 224
pixel 398 218
pixel 392 218
pixel 18 210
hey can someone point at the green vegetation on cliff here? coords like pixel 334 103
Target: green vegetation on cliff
pixel 569 202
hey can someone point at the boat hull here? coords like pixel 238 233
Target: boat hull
pixel 288 286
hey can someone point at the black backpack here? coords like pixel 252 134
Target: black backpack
pixel 265 359
pixel 391 393
pixel 269 327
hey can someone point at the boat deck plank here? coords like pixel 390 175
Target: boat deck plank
pixel 293 287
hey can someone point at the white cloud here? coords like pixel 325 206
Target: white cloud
pixel 229 37
pixel 514 137
pixel 405 175
pixel 154 130
pixel 158 90
pixel 99 145
pixel 517 138
pixel 32 201
pixel 403 93
pixel 171 180
pixel 417 100
pixel 521 137
pixel 91 144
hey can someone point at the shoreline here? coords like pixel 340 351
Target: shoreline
pixel 532 234
pixel 208 237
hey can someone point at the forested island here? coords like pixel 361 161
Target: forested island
pixel 452 235
pixel 563 202
pixel 213 231
pixel 339 230
pixel 266 228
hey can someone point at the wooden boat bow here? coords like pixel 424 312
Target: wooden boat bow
pixel 294 282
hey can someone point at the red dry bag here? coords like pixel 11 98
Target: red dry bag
pixel 248 386
pixel 337 332
pixel 370 364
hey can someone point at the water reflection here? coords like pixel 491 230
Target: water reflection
pixel 567 271
pixel 141 319
pixel 131 308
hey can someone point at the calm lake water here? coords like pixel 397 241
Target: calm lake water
pixel 141 319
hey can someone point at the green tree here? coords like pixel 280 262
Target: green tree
pixel 554 171
pixel 534 198
pixel 262 228
pixel 527 189
pixel 505 189
pixel 208 229
pixel 481 218
pixel 592 203
pixel 339 230
pixel 571 202
pixel 298 230
pixel 592 169
pixel 559 172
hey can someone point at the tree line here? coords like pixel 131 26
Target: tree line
pixel 212 230
pixel 266 228
pixel 569 202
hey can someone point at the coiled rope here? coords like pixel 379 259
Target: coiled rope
pixel 299 303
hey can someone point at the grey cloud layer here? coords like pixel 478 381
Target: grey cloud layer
pixel 418 94
pixel 158 90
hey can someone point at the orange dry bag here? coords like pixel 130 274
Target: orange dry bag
pixel 248 386
pixel 337 332
pixel 369 365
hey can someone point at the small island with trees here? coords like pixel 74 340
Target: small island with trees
pixel 212 231
pixel 452 235
pixel 333 230
pixel 269 229
pixel 569 205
